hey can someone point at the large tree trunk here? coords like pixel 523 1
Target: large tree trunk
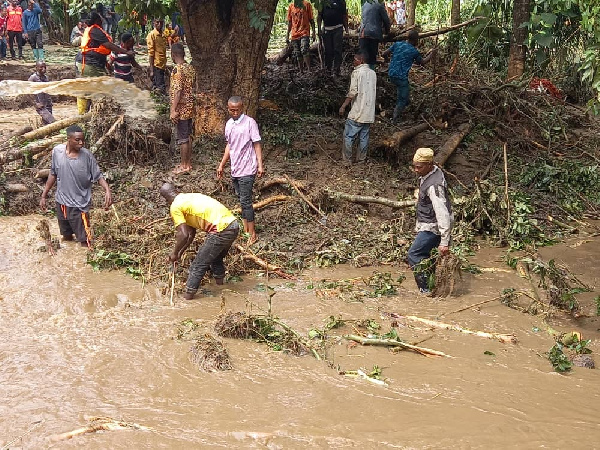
pixel 228 55
pixel 455 13
pixel 454 20
pixel 411 8
pixel 516 59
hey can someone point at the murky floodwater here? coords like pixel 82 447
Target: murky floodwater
pixel 74 343
pixel 135 101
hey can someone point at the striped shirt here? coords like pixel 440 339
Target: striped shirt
pixel 122 65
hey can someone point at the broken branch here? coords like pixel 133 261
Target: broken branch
pixel 504 338
pixel 404 34
pixel 394 343
pixel 367 199
pixel 265 202
pixel 247 255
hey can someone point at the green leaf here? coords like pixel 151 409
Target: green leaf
pixel 549 18
pixel 544 39
pixel 487 352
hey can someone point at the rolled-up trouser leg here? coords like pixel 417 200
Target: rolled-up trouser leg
pixel 421 249
pixel 211 255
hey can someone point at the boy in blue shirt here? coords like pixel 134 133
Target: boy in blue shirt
pixel 32 29
pixel 404 54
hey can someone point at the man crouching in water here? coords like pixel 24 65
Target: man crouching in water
pixel 434 216
pixel 191 212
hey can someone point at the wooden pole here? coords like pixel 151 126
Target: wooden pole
pixel 173 283
pixel 52 128
pixel 394 343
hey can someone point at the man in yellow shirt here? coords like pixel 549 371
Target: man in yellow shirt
pixel 157 56
pixel 191 212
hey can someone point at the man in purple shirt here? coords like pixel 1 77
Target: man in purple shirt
pixel 245 151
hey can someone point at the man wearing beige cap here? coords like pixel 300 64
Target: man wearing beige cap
pixel 434 215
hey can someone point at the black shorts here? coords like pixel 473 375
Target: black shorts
pixel 73 221
pixel 184 130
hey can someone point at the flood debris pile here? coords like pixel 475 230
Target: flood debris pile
pixel 209 354
pixel 263 328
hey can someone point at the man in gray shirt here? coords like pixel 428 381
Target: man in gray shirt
pixel 74 169
pixel 374 23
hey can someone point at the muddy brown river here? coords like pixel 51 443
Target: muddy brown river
pixel 76 343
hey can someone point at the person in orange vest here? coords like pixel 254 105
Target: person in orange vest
pixel 14 27
pixel 96 45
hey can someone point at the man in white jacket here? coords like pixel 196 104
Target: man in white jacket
pixel 434 216
pixel 363 86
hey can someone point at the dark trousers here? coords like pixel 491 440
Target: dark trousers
pixel 2 47
pixel 158 80
pixel 243 189
pixel 370 47
pixel 402 94
pixel 210 256
pixel 333 41
pixel 35 39
pixel 421 249
pixel 12 35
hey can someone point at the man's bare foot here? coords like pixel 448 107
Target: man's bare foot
pixel 219 281
pixel 67 238
pixel 188 296
pixel 180 169
pixel 252 239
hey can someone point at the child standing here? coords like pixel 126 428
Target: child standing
pixel 245 150
pixel 122 63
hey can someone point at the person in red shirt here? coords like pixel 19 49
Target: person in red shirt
pixel 14 27
pixel 300 21
pixel 3 19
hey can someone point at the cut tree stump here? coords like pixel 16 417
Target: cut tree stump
pixel 20 131
pixel 446 150
pixel 367 199
pixel 400 137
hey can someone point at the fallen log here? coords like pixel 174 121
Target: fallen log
pixel 42 173
pixel 504 338
pixel 19 132
pixel 402 136
pixel 246 254
pixel 280 180
pixel 367 199
pixel 54 127
pixel 446 150
pixel 16 188
pixel 403 35
pixel 32 148
pixel 394 343
pixel 265 202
